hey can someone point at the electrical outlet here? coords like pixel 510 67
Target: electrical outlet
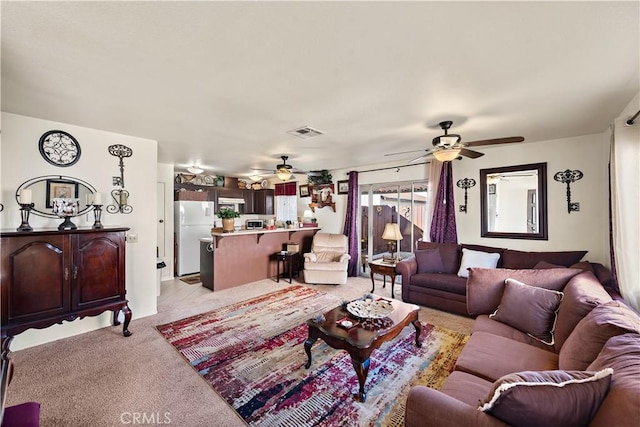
pixel 132 238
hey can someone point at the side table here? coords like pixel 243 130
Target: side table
pixel 290 264
pixel 385 269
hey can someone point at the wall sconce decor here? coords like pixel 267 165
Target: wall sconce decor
pixel 120 195
pixel 465 183
pixel 567 177
pixel 25 209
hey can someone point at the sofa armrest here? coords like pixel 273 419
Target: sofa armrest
pixel 310 257
pixel 424 403
pixel 345 257
pixel 407 268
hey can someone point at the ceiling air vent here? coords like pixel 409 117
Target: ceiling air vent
pixel 305 132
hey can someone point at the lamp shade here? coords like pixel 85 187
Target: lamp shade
pixel 391 232
pixel 447 154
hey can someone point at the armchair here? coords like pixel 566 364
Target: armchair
pixel 328 260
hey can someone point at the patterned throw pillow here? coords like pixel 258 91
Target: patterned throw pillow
pixel 548 398
pixel 529 309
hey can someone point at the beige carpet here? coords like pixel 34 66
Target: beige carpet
pixel 103 379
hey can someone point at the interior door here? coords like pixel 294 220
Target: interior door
pixel 161 220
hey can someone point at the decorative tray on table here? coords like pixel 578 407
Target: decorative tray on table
pixel 370 309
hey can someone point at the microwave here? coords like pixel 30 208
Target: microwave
pixel 255 224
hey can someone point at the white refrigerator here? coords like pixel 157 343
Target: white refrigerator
pixel 193 220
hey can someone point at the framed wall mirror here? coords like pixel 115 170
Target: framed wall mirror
pixel 513 202
pixel 45 188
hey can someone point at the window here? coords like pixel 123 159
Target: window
pixel 286 202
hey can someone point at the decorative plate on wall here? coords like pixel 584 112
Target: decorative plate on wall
pixel 59 148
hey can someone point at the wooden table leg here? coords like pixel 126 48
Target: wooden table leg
pixel 307 347
pixel 418 325
pixel 362 370
pixel 373 283
pixel 393 284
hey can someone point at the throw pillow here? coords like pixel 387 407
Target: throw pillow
pixel 429 261
pixel 548 398
pixel 593 331
pixel 520 259
pixel 476 259
pixel 544 265
pixel 529 309
pixel 449 252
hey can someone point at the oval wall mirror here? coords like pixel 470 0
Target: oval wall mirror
pixel 514 202
pixel 45 188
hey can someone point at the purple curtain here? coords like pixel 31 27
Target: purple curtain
pixel 351 223
pixel 443 223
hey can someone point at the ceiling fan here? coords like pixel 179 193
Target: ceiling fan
pixel 285 171
pixel 449 146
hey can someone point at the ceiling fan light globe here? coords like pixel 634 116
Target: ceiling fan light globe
pixel 447 154
pixel 283 174
pixel 195 169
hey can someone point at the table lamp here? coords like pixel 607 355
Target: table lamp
pixel 392 234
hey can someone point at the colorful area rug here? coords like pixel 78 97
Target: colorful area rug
pixel 252 354
pixel 191 280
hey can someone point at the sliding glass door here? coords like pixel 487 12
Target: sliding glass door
pixel 404 204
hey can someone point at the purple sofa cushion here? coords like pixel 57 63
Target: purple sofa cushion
pixel 449 253
pixel 548 398
pixel 621 353
pixel 491 356
pixel 593 331
pixel 529 309
pixel 443 282
pixel 582 293
pixel 519 259
pixel 485 285
pixel 429 261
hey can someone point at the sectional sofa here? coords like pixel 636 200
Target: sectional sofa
pixel 549 347
pixel 436 275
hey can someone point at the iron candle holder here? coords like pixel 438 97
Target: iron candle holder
pixel 25 210
pixel 97 213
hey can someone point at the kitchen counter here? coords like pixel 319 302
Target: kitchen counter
pixel 246 256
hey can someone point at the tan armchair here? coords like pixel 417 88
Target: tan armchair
pixel 328 260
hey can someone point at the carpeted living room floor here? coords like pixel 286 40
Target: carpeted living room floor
pixel 103 379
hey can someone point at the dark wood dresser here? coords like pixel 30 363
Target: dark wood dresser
pixel 49 276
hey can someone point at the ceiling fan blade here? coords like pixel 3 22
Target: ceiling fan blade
pixel 508 140
pixel 263 170
pixel 417 159
pixel 403 152
pixel 470 153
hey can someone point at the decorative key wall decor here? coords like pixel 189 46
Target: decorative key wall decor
pixel 120 195
pixel 567 177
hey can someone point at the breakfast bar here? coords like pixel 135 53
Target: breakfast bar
pixel 247 256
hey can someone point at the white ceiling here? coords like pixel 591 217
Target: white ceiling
pixel 219 84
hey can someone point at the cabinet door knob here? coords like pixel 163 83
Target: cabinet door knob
pixel 75 272
pixel 66 273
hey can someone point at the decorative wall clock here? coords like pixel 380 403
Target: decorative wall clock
pixel 59 148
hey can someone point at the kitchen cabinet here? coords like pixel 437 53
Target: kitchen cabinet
pixel 263 201
pixel 200 196
pixel 51 276
pixel 249 201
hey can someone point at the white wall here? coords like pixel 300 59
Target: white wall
pixel 21 161
pixel 583 230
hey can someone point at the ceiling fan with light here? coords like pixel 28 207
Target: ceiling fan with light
pixel 285 171
pixel 449 146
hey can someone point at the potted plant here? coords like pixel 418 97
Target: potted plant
pixel 227 215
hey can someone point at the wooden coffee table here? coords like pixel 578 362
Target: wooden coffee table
pixel 358 341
